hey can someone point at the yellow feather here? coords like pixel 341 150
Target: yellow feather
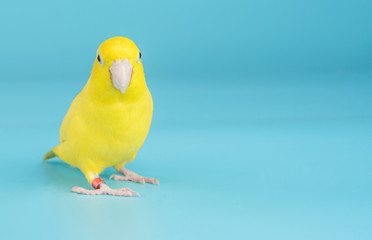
pixel 104 127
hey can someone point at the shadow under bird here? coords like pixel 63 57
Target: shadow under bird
pixel 108 121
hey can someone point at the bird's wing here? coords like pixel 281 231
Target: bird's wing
pixel 63 133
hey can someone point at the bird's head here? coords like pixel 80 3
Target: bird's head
pixel 117 64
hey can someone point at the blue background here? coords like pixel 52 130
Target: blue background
pixel 262 120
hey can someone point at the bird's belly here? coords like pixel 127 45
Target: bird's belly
pixel 121 140
pixel 112 138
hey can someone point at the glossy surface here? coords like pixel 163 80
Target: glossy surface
pixel 293 157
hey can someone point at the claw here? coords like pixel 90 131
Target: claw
pixel 134 177
pixel 105 190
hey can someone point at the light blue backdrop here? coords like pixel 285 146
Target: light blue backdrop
pixel 262 119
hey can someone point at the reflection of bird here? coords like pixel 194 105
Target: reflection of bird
pixel 108 121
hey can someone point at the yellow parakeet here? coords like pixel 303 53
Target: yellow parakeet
pixel 108 121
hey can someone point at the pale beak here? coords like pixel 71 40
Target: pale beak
pixel 121 72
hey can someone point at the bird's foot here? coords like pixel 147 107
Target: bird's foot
pixel 134 177
pixel 106 190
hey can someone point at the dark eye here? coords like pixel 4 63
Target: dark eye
pixel 139 57
pixel 99 59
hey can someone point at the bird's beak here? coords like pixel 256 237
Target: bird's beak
pixel 121 73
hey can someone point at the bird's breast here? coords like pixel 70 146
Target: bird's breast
pixel 121 127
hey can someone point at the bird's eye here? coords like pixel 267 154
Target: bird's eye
pixel 99 59
pixel 139 57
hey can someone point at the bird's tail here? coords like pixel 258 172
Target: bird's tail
pixel 49 155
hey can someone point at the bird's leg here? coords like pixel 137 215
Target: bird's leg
pixel 132 176
pixel 102 189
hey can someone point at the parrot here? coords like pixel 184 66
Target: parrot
pixel 109 120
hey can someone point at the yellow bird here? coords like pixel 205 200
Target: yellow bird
pixel 109 120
